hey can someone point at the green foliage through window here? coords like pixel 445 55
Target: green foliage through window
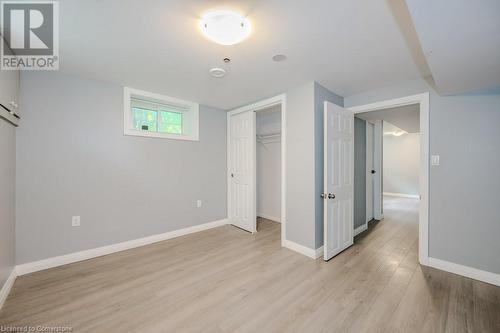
pixel 170 122
pixel 145 119
pixel 157 121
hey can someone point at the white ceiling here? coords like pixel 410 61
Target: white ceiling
pixel 461 42
pixel 405 117
pixel 390 128
pixel 349 46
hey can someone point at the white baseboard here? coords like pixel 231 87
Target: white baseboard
pixel 269 217
pixel 311 253
pixel 101 251
pixel 360 229
pixel 7 286
pixel 319 252
pixel 466 271
pixel 402 195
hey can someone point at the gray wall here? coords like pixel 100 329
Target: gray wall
pixel 464 203
pixel 300 151
pixel 304 163
pixel 359 172
pixel 321 94
pixel 401 162
pixel 7 199
pixel 73 159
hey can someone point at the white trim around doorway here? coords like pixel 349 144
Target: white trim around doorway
pixel 276 100
pixel 423 101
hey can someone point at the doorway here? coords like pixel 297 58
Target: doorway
pixel 378 112
pixel 244 142
pixel 268 162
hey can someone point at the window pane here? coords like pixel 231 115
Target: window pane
pixel 144 119
pixel 170 122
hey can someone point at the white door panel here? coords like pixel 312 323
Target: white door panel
pixel 339 179
pixel 242 170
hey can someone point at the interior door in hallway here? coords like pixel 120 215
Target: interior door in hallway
pixel 338 191
pixel 241 150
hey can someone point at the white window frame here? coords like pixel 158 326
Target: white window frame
pixel 190 118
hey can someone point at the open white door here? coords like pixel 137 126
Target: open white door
pixel 241 144
pixel 339 179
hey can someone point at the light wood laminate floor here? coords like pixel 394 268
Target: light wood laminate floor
pixel 226 280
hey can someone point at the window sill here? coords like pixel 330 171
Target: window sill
pixel 161 135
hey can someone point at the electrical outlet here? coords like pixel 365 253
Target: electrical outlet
pixel 75 221
pixel 198 203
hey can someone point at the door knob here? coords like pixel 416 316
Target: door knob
pixel 331 196
pixel 373 171
pixel 323 195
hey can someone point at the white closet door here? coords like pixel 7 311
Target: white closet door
pixel 241 155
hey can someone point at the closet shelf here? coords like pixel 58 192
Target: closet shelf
pixel 269 135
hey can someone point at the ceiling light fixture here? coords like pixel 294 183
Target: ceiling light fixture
pixel 396 133
pixel 225 27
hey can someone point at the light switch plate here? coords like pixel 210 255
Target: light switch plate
pixel 75 221
pixel 434 159
pixel 198 203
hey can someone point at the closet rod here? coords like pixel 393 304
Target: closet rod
pixel 269 135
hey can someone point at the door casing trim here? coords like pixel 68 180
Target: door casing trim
pixel 257 106
pixel 423 221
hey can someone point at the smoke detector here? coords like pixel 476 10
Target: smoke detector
pixel 279 57
pixel 217 72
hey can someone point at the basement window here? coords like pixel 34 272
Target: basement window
pixel 152 115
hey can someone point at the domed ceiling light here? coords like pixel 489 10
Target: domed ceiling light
pixel 225 27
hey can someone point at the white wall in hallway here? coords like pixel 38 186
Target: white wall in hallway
pixel 401 163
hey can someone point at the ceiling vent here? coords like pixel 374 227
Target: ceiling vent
pixel 217 72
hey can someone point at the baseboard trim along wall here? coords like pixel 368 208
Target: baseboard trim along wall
pixel 402 195
pixel 466 271
pixel 308 252
pixel 272 218
pixel 7 286
pixel 101 251
pixel 319 252
pixel 360 229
